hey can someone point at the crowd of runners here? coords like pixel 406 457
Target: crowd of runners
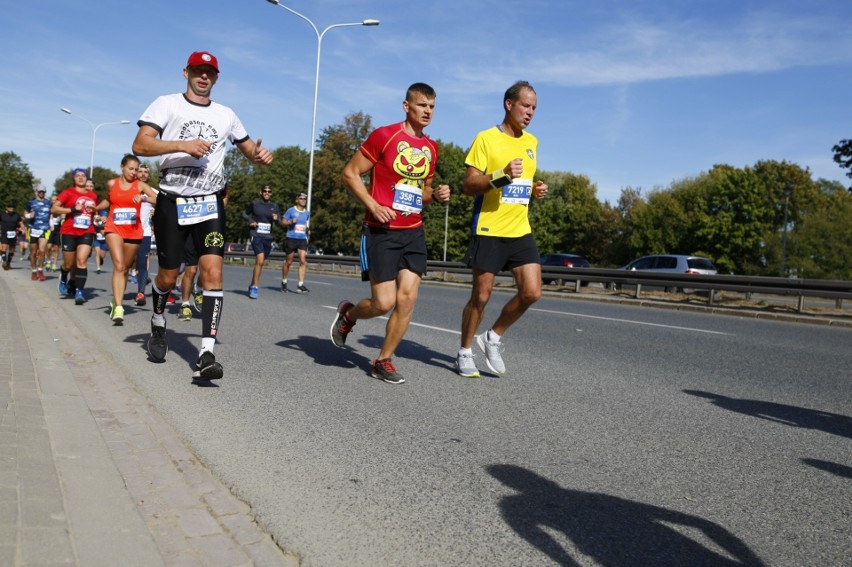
pixel 185 215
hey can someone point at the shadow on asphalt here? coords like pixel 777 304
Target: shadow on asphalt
pixel 609 530
pixel 794 416
pixel 411 351
pixel 320 350
pixel 834 468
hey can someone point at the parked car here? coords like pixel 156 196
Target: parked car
pixel 673 263
pixel 565 260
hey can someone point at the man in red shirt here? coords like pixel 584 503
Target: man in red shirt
pixel 401 162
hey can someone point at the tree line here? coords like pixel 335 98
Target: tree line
pixel 751 220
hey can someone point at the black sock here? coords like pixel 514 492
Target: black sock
pixel 158 298
pixel 80 277
pixel 211 313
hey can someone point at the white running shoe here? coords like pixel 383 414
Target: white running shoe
pixel 493 356
pixel 466 366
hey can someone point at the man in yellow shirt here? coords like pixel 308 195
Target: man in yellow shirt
pixel 500 169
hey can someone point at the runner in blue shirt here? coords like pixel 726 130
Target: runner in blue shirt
pixel 296 220
pixel 38 218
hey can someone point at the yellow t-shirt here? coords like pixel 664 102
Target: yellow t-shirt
pixel 504 211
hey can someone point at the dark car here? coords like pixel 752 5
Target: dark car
pixel 564 260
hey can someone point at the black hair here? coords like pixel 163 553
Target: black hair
pixel 514 92
pixel 420 88
pixel 127 158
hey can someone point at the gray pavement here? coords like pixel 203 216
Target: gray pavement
pixel 90 474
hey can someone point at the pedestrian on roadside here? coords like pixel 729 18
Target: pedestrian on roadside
pixel 401 161
pixel 296 221
pixel 123 228
pixel 500 170
pixel 11 224
pixel 99 245
pixel 261 214
pixel 54 242
pixel 143 255
pixel 38 218
pixel 188 131
pixel 190 294
pixel 78 204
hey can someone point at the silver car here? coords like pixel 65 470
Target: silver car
pixel 673 263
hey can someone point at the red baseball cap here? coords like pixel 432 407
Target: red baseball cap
pixel 199 58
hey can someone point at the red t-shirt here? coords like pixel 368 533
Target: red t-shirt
pixel 402 165
pixel 78 223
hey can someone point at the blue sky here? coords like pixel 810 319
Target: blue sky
pixel 631 93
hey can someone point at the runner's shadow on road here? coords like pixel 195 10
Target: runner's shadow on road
pixel 322 352
pixel 834 468
pixel 411 350
pixel 794 416
pixel 181 344
pixel 564 524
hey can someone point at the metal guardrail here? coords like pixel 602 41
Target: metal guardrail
pixel 615 278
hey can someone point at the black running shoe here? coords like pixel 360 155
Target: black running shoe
pixel 157 345
pixel 302 289
pixel 341 325
pixel 207 368
pixel 385 370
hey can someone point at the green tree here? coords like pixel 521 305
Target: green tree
pixel 731 223
pixel 457 213
pixel 821 244
pixel 287 175
pixel 569 218
pixel 843 156
pixel 17 184
pixel 658 227
pixel 337 217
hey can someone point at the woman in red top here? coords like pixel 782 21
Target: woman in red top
pixel 123 227
pixel 77 231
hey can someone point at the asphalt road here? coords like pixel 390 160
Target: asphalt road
pixel 620 436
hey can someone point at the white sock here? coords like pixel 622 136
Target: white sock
pixel 465 351
pixel 492 337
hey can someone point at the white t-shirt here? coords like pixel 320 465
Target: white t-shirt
pixel 146 214
pixel 176 118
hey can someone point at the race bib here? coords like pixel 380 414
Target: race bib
pixel 193 210
pixel 407 198
pixel 10 234
pixel 124 216
pixel 36 232
pixel 82 222
pixel 264 228
pixel 518 192
pixel 300 228
pixel 100 236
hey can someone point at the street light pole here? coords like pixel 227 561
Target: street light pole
pixel 788 189
pixel 320 35
pixel 94 135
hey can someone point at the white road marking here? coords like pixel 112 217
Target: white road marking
pixel 630 322
pixel 412 323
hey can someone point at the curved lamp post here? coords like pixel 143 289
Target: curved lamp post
pixel 320 35
pixel 94 135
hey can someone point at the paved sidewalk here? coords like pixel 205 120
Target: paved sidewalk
pixel 90 474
